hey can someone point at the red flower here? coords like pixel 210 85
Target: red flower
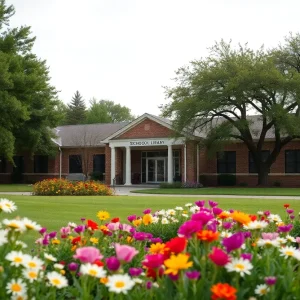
pixel 115 220
pixel 175 245
pixel 253 217
pixel 286 205
pixel 76 240
pixel 91 224
pixel 153 273
pixel 99 263
pixel 223 291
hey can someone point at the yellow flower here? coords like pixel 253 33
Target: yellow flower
pixel 103 215
pixel 104 280
pixel 177 263
pixel 55 242
pixel 94 240
pixel 137 222
pixel 240 217
pixel 147 219
pixel 129 239
pixel 157 248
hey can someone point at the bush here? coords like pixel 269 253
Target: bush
pixel 97 176
pixel 226 179
pixel 174 185
pixel 277 183
pixel 243 184
pixel 55 187
pixel 192 185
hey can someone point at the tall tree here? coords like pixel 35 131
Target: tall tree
pixel 218 94
pixel 105 111
pixel 76 113
pixel 27 100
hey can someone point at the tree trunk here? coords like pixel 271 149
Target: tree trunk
pixel 263 177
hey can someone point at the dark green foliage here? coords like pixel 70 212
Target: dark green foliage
pixel 226 179
pixel 76 112
pixel 174 185
pixel 277 183
pixel 97 176
pixel 295 232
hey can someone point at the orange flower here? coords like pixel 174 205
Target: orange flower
pixel 147 219
pixel 240 217
pixel 104 280
pixel 286 205
pixel 207 235
pixel 223 215
pixel 223 291
pixel 157 248
pixel 137 222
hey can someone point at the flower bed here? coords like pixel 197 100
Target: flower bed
pixel 215 254
pixel 63 187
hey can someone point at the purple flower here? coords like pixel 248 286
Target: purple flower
pixel 43 230
pixel 135 271
pixel 64 232
pixel 247 234
pixel 188 228
pixel 227 225
pixel 140 236
pixel 148 285
pixel 45 240
pixel 79 228
pixel 173 277
pixel 203 217
pixel 200 203
pixel 147 211
pixel 192 275
pixel 285 228
pixel 231 210
pixel 289 211
pixel 112 263
pixel 292 217
pixel 212 225
pixel 155 240
pixel 217 211
pixel 52 234
pixel 267 213
pixel 247 256
pixel 205 209
pixel 271 280
pixel 212 203
pixel 131 218
pixel 234 242
pixel 148 235
pixel 73 267
pixel 82 219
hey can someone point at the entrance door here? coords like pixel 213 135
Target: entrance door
pixel 156 170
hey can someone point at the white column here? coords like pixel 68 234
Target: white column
pixel 184 162
pixel 198 159
pixel 112 164
pixel 170 164
pixel 128 166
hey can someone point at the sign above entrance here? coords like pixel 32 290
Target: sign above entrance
pixel 147 143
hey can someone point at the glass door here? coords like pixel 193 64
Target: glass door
pixel 160 170
pixel 156 169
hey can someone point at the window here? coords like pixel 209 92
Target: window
pixel 292 161
pixel 226 162
pixel 2 164
pixel 40 164
pixel 252 167
pixel 75 164
pixel 99 163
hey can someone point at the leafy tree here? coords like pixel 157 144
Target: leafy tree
pixel 218 95
pixel 27 99
pixel 105 111
pixel 61 110
pixel 76 112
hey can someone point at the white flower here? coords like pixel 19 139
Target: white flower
pixel 194 209
pixel 120 283
pixel 92 270
pixel 297 254
pixel 274 218
pixel 20 297
pixel 72 224
pixel 138 280
pixel 161 212
pixel 171 212
pixel 185 215
pixel 261 289
pixel 3 236
pixel 267 243
pixel 179 208
pixel 31 225
pixel 17 225
pixel 58 266
pixel 49 257
pixel 16 287
pixel 155 220
pixel 288 251
pixel 32 262
pixel 164 221
pixel 57 280
pixel 256 225
pixel 7 205
pixel 31 274
pixel 240 265
pixel 260 213
pixel 189 204
pixel 290 238
pixel 22 244
pixel 225 234
pixel 17 258
pixel 281 240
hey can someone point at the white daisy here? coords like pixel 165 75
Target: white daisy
pixel 31 225
pixel 58 266
pixel 7 205
pixel 164 221
pixel 22 244
pixel 32 262
pixel 267 243
pixel 290 238
pixel 281 240
pixel 161 212
pixel 3 236
pixel 288 251
pixel 17 258
pixel 274 218
pixel 225 234
pixel 49 257
pixel 137 280
pixel 120 283
pixel 189 204
pixel 57 280
pixel 92 270
pixel 253 225
pixel 240 265
pixel 155 220
pixel 171 212
pixel 185 215
pixel 72 224
pixel 260 213
pixel 30 274
pixel 194 209
pixel 16 287
pixel 179 208
pixel 20 297
pixel 16 225
pixel 297 254
pixel 261 289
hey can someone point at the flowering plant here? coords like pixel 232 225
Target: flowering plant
pixel 216 254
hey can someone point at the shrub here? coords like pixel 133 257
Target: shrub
pixel 97 176
pixel 277 183
pixel 174 185
pixel 243 184
pixel 192 185
pixel 226 179
pixel 63 187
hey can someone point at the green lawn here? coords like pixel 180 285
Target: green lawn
pixel 226 191
pixel 15 188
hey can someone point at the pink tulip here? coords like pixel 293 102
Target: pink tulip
pixel 88 254
pixel 113 226
pixel 219 257
pixel 125 253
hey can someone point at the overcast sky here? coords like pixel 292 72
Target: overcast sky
pixel 127 50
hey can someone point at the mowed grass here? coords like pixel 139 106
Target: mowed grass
pixel 225 191
pixel 15 188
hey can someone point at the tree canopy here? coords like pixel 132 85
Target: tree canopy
pixel 76 112
pixel 105 111
pixel 27 100
pixel 218 95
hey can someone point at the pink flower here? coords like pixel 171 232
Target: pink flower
pixel 127 228
pixel 234 242
pixel 203 217
pixel 112 263
pixel 188 228
pixel 125 253
pixel 153 261
pixel 88 254
pixel 219 257
pixel 64 232
pixel 270 235
pixel 113 226
pixel 298 239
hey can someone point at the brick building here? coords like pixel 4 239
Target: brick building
pixel 144 151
